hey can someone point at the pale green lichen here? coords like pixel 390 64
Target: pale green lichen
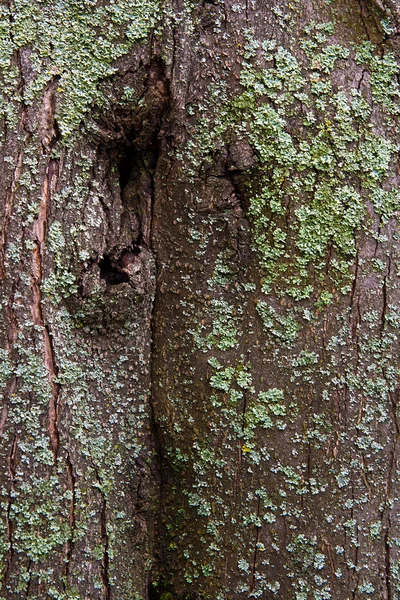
pixel 305 168
pixel 80 53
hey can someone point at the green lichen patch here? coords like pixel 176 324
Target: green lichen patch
pixel 321 159
pixel 78 55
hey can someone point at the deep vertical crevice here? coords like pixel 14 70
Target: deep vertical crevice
pixel 138 162
pixel 153 592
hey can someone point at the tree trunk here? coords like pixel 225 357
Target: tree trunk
pixel 199 258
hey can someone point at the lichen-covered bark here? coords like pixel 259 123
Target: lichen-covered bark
pixel 80 478
pixel 199 259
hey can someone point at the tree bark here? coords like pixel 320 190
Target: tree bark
pixel 199 259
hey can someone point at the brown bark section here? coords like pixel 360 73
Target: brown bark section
pixel 223 537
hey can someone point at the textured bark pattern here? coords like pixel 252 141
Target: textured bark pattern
pixel 199 258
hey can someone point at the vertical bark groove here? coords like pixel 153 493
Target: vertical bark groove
pixel 40 228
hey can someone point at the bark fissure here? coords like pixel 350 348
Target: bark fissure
pixel 40 227
pixel 384 298
pixel 71 539
pixel 8 208
pixel 363 20
pixel 387 508
pixel 10 389
pixel 28 585
pixel 105 560
pixel 12 331
pixel 11 470
pixel 255 551
pixel 388 563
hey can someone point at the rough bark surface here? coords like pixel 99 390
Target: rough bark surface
pixel 199 262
